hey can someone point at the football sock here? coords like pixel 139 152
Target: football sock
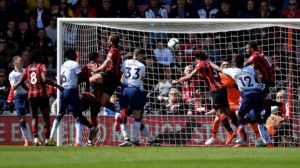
pixel 123 115
pixel 225 122
pixel 55 125
pixel 24 130
pixel 83 120
pixel 262 133
pixel 79 130
pixel 124 131
pixel 242 132
pixel 255 130
pixel 145 131
pixel 234 120
pixel 136 131
pixel 215 128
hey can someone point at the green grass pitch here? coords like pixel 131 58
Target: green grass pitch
pixel 144 157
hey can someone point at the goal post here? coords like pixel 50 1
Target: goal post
pixel 278 39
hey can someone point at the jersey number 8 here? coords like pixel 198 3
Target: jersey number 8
pixel 33 79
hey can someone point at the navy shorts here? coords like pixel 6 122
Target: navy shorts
pixel 132 97
pixel 69 100
pixel 21 105
pixel 251 101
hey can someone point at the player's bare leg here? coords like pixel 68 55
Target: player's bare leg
pixel 97 78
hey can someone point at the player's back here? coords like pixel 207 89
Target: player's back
pixel 264 67
pixel 244 78
pixel 114 55
pixel 69 71
pixel 133 72
pixel 37 87
pixel 209 75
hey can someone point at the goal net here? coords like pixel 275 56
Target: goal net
pixel 185 120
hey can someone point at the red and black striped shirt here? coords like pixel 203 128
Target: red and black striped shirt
pixel 115 66
pixel 209 75
pixel 33 74
pixel 88 72
pixel 263 66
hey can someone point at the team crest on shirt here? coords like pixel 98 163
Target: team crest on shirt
pixel 44 69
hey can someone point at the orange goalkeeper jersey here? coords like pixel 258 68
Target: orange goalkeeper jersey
pixel 272 123
pixel 233 94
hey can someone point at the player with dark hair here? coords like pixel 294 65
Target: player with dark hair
pixel 263 65
pixel 217 90
pixel 108 74
pixel 233 95
pixel 90 98
pixel 251 94
pixel 35 74
pixel 69 99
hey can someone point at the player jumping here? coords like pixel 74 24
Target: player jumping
pixel 108 74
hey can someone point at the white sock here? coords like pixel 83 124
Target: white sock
pixel 262 132
pixel 124 131
pixel 146 132
pixel 136 131
pixel 24 132
pixel 54 128
pixel 79 130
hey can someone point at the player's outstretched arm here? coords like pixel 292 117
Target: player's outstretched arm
pixel 248 62
pixel 215 67
pixel 185 78
pixel 50 82
pixel 105 64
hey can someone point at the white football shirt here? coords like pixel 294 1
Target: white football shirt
pixel 133 71
pixel 69 71
pixel 14 77
pixel 244 78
